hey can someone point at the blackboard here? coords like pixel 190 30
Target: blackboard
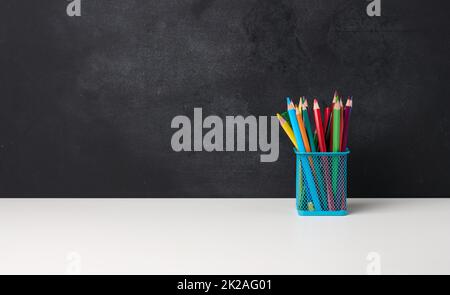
pixel 87 102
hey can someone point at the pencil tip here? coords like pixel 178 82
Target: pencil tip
pixel 349 103
pixel 315 104
pixel 335 97
pixel 288 100
pixel 281 119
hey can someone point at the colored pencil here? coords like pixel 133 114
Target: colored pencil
pixel 326 123
pixel 346 119
pixel 307 123
pixel 285 116
pixel 287 128
pixel 341 127
pixel 315 131
pixel 336 126
pixel 314 164
pixel 301 124
pixel 319 127
pixel 336 146
pixel 303 133
pixel 306 168
pixel 347 112
pixel 323 148
pixel 316 140
pixel 335 98
pixel 294 123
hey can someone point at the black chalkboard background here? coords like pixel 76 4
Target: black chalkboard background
pixel 86 102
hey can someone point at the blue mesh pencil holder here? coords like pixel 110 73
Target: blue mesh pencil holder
pixel 321 183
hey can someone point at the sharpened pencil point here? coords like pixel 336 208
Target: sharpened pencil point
pixel 316 104
pixel 349 103
pixel 281 119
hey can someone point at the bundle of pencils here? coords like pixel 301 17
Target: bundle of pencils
pixel 331 128
pixel 320 175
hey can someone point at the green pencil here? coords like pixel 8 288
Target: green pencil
pixel 308 125
pixel 285 116
pixel 336 126
pixel 336 146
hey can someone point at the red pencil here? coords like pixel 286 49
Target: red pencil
pixel 319 126
pixel 323 148
pixel 342 124
pixel 335 99
pixel 326 123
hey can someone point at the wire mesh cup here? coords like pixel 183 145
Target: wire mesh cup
pixel 321 183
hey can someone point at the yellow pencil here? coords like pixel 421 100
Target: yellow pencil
pixel 287 129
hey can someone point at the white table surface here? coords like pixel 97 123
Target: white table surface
pixel 222 236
